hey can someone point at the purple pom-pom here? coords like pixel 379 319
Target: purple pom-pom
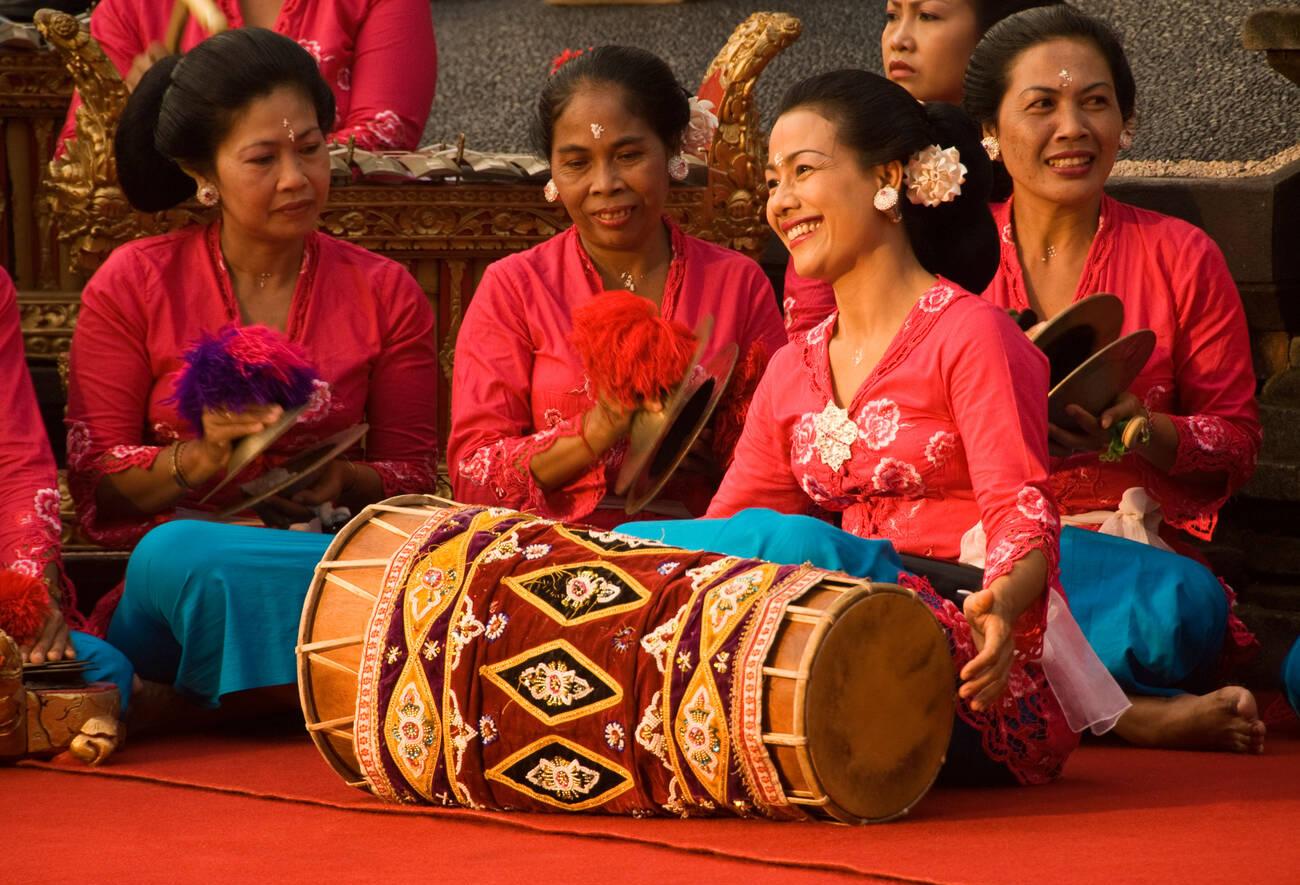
pixel 240 367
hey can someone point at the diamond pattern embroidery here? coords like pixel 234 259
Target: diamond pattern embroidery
pixel 580 592
pixel 701 732
pixel 562 774
pixel 413 732
pixel 726 604
pixel 555 682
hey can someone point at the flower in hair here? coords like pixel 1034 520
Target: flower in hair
pixel 567 56
pixel 934 175
pixel 699 132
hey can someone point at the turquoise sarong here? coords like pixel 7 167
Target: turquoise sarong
pixel 214 608
pixel 1156 619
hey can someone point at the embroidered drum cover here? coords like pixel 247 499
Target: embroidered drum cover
pixel 515 663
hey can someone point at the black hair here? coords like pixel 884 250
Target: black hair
pixel 652 92
pixel 989 12
pixel 185 106
pixel 882 123
pixel 986 75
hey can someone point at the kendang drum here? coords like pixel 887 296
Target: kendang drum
pixel 487 658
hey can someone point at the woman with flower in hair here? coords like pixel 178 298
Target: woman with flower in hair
pixel 379 57
pixel 527 430
pixel 914 411
pixel 924 47
pixel 209 607
pixel 1056 98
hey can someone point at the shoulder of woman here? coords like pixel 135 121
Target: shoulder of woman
pixel 1165 233
pixel 134 267
pixel 972 324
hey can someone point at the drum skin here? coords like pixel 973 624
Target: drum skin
pixel 852 695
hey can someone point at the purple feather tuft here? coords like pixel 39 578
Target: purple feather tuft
pixel 240 367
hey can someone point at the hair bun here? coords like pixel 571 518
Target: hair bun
pixel 151 181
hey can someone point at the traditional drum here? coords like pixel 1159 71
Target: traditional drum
pixel 482 657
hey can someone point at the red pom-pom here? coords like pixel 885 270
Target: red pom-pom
pixel 24 603
pixel 630 352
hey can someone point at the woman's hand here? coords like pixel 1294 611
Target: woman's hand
pixel 985 676
pixel 153 53
pixel 53 642
pixel 221 427
pixel 1094 431
pixel 330 484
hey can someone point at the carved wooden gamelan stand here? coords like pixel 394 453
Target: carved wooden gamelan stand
pixel 39 720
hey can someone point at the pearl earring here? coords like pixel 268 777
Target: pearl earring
pixel 209 196
pixel 551 192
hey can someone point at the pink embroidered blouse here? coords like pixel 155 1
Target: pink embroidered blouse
pixel 29 491
pixel 379 58
pixel 518 383
pixel 362 320
pixel 1173 280
pixel 948 430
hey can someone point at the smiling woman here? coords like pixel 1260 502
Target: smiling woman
pixel 924 47
pixel 241 121
pixel 1054 88
pixel 527 430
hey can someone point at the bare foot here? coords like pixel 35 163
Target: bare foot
pixel 1226 720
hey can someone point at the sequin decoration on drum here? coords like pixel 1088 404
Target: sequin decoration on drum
pixel 555 682
pixel 561 773
pixel 580 592
pixel 701 732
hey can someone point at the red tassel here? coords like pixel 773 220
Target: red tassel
pixel 24 604
pixel 630 352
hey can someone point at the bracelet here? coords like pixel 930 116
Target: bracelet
pixel 178 474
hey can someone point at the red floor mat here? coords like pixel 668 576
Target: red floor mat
pixel 1120 815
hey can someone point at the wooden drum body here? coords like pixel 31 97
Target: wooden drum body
pixel 481 657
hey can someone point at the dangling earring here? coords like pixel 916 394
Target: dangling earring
pixel 886 200
pixel 678 168
pixel 209 196
pixel 991 146
pixel 551 192
pixel 1126 139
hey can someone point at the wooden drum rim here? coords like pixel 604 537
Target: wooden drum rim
pixel 329 562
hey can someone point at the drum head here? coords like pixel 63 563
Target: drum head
pixel 879 706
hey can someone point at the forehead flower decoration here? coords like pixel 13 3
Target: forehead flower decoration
pixel 934 175
pixel 1066 79
pixel 284 123
pixel 597 130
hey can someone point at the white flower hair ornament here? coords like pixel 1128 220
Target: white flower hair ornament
pixel 699 132
pixel 934 175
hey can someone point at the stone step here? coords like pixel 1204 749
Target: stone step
pixel 1254 552
pixel 1274 481
pixel 1277 631
pixel 1274 597
pixel 1281 432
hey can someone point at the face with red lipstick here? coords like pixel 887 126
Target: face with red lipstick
pixel 272 169
pixel 819 196
pixel 1059 122
pixel 611 169
pixel 925 46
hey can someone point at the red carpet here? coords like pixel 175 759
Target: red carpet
pixel 1119 815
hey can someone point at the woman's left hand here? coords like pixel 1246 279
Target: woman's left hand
pixel 53 642
pixel 330 484
pixel 1094 431
pixel 985 676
